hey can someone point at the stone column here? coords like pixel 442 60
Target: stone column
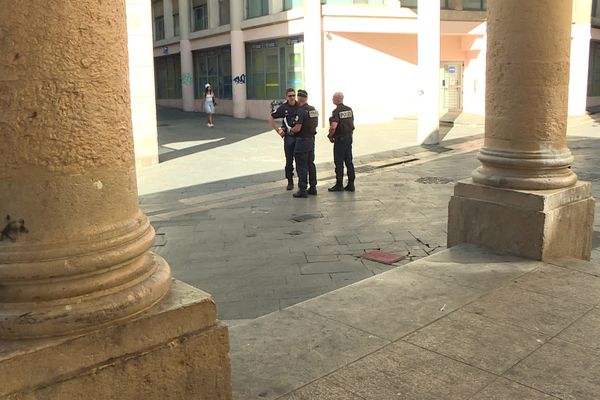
pixel 313 56
pixel 100 312
pixel 185 52
pixel 238 59
pixel 68 171
pixel 524 198
pixel 428 130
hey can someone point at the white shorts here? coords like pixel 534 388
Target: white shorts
pixel 209 108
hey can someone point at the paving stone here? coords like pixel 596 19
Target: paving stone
pixel 585 331
pixel 403 371
pixel 344 264
pixel 560 369
pixel 503 389
pixel 534 311
pixel 317 345
pixel 477 341
pixel 412 300
pixel 323 389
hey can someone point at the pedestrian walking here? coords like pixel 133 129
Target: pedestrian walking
pixel 209 101
pixel 287 112
pixel 305 129
pixel 341 127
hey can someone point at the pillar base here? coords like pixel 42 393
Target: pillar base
pixel 534 224
pixel 177 350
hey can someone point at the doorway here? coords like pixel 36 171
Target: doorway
pixel 451 77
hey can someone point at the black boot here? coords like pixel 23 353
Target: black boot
pixel 300 193
pixel 312 191
pixel 338 187
pixel 290 184
pixel 349 187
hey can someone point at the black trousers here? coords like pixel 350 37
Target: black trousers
pixel 289 142
pixel 342 154
pixel 304 152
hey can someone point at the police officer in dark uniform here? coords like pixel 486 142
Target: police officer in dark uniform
pixel 305 130
pixel 341 126
pixel 287 111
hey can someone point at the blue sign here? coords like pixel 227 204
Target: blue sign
pixel 165 50
pixel 452 69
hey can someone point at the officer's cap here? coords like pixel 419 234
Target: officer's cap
pixel 302 93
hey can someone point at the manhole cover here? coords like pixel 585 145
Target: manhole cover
pixel 428 180
pixel 305 217
pixel 383 257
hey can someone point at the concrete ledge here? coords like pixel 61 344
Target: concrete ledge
pixel 176 350
pixel 534 224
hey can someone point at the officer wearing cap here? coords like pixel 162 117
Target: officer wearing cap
pixel 287 112
pixel 341 126
pixel 305 130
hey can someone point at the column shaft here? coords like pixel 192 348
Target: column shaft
pixel 527 95
pixel 185 52
pixel 67 171
pixel 313 55
pixel 238 59
pixel 429 72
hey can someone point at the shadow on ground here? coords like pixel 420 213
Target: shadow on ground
pixel 178 140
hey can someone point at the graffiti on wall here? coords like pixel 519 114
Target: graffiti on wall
pixel 240 79
pixel 187 79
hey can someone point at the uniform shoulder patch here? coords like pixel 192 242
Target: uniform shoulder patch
pixel 346 114
pixel 313 113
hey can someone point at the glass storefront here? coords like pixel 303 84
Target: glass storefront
pixel 167 75
pixel 273 66
pixel 213 66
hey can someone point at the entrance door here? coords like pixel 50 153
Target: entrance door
pixel 451 86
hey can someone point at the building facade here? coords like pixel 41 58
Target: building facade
pixel 252 50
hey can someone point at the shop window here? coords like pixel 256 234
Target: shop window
pixel 475 5
pixel 159 28
pixel 289 4
pixel 596 8
pixel 257 8
pixel 594 70
pixel 224 11
pixel 167 72
pixel 273 66
pixel 199 15
pixel 213 66
pixel 176 24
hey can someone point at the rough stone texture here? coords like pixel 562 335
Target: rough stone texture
pixel 526 117
pixel 534 224
pixel 177 350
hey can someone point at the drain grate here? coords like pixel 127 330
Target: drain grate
pixel 306 217
pixel 435 180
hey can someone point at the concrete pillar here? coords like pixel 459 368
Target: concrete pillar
pixel 168 18
pixel 524 198
pixel 581 34
pixel 185 52
pixel 313 55
pixel 429 72
pixel 141 78
pixel 74 261
pixel 238 59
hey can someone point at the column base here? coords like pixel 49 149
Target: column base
pixel 534 224
pixel 177 350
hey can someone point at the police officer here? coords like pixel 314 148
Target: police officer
pixel 305 130
pixel 287 111
pixel 341 126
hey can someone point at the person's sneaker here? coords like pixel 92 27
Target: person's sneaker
pixel 208 124
pixel 349 187
pixel 290 185
pixel 300 193
pixel 211 125
pixel 312 190
pixel 336 188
